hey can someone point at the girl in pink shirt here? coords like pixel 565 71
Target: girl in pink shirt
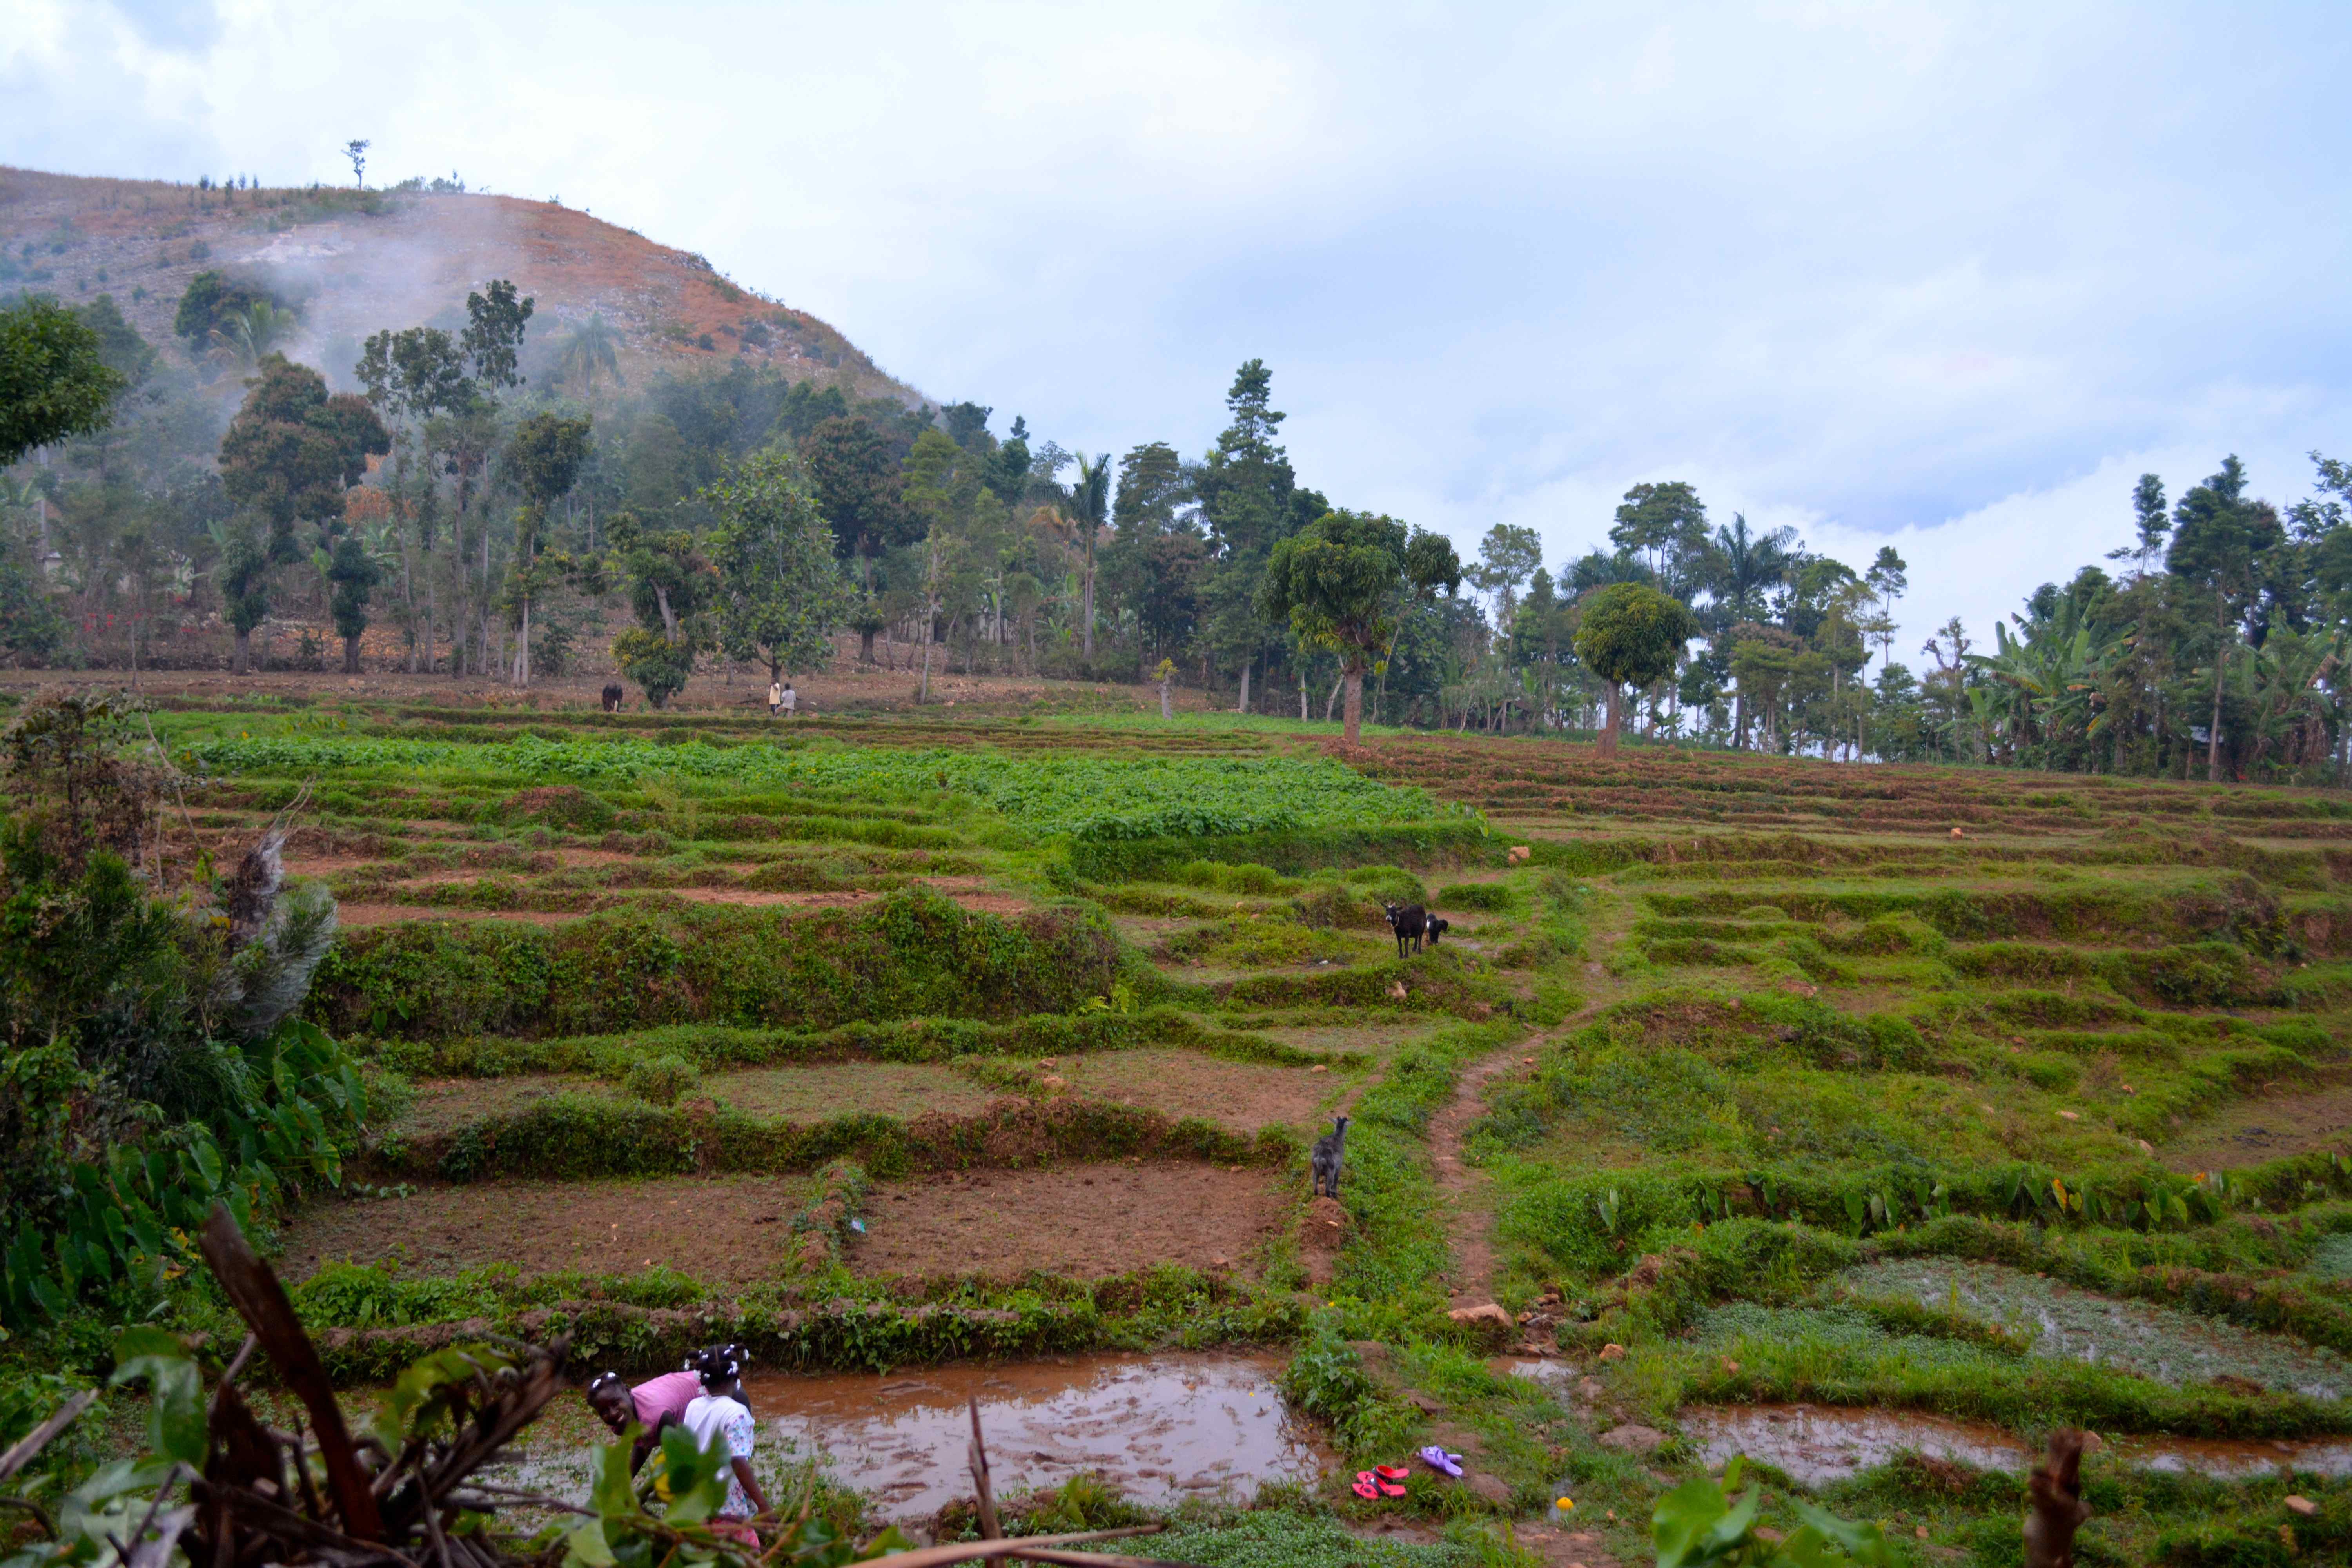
pixel 656 1402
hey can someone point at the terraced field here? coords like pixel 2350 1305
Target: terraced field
pixel 1758 1095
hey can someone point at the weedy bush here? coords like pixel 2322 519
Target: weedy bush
pixel 659 1080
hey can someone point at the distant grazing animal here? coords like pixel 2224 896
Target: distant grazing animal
pixel 613 697
pixel 1408 921
pixel 2055 1495
pixel 1438 927
pixel 1324 1162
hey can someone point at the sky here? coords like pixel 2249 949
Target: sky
pixel 1945 277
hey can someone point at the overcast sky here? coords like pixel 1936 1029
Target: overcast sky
pixel 1948 277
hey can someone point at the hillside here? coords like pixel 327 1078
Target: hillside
pixel 359 261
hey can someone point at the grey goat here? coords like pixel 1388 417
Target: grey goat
pixel 1329 1151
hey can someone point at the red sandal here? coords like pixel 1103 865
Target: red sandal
pixel 1365 1486
pixel 1389 1478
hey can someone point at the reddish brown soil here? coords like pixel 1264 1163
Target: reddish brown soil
pixel 1087 1221
pixel 1241 1096
pixel 726 1230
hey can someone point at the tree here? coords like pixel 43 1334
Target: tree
pixel 208 302
pixel 286 458
pixel 2219 543
pixel 544 456
pixel 1090 502
pixel 54 378
pixel 1665 523
pixel 2151 525
pixel 1507 557
pixel 356 150
pixel 1631 634
pixel 354 572
pixel 1344 582
pixel 493 335
pixel 1249 493
pixel 1887 578
pixel 860 491
pixel 671 582
pixel 586 350
pixel 119 346
pixel 1741 565
pixel 780 591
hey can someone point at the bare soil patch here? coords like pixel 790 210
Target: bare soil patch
pixel 2286 1119
pixel 903 1090
pixel 1241 1096
pixel 1085 1221
pixel 726 1230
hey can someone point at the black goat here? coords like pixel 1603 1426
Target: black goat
pixel 613 697
pixel 1324 1160
pixel 1438 927
pixel 1410 921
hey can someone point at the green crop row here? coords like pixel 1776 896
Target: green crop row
pixel 1089 796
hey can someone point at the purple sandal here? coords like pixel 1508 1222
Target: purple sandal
pixel 1437 1458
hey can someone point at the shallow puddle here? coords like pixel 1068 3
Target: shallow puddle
pixel 1161 1430
pixel 1817 1444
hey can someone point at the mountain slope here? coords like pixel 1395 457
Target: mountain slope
pixel 357 262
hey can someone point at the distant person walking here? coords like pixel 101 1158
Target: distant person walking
pixel 775 699
pixel 791 700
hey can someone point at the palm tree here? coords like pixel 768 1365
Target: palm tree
pixel 1091 510
pixel 1744 564
pixel 246 335
pixel 587 349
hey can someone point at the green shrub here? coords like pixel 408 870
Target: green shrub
pixel 659 1080
pixel 1494 898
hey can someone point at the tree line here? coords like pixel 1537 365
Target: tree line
pixel 505 504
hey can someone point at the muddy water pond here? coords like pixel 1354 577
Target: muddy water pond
pixel 1816 1444
pixel 1161 1429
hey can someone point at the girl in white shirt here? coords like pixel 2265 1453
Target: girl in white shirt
pixel 722 1417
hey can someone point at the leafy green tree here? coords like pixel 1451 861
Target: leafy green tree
pixel 671 584
pixel 354 572
pixel 781 589
pixel 119 346
pixel 2219 543
pixel 1631 634
pixel 1344 582
pixel 1507 557
pixel 208 302
pixel 286 458
pixel 1249 499
pixel 54 378
pixel 1888 579
pixel 544 456
pixel 1667 525
pixel 492 340
pixel 860 491
pixel 2151 525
